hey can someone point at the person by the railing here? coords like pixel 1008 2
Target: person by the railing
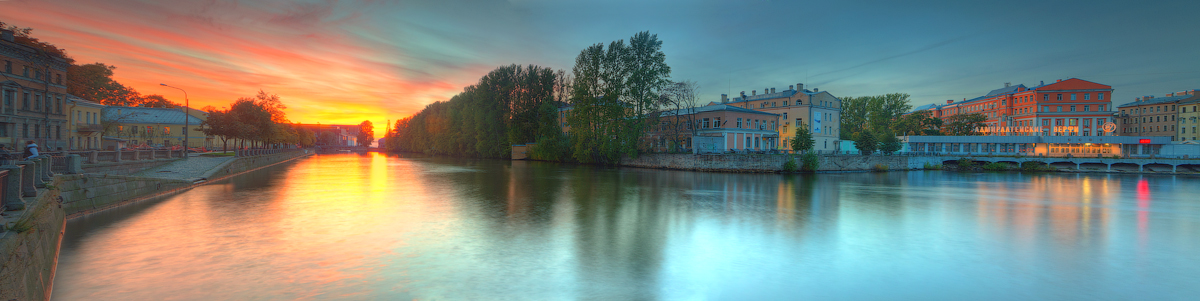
pixel 31 150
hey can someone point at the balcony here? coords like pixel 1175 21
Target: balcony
pixel 84 128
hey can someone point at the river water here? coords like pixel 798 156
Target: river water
pixel 400 227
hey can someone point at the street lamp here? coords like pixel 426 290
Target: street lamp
pixel 186 118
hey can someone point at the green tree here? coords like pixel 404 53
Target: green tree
pixel 866 142
pixel 366 132
pixel 803 140
pixel 889 143
pixel 964 124
pixel 613 93
pixel 872 113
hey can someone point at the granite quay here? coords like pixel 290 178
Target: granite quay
pixel 769 163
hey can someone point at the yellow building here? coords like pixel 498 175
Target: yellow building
pixel 152 127
pixel 1189 120
pixel 819 110
pixel 83 124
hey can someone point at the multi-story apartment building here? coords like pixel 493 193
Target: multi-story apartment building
pixel 33 89
pixel 796 106
pixel 84 127
pixel 1189 119
pixel 1072 107
pixel 1153 116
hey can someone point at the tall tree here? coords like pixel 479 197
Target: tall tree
pixel 366 133
pixel 680 98
pixel 614 91
pixel 964 124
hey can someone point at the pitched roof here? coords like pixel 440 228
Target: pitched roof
pixel 1073 84
pixel 713 108
pixel 1156 100
pixel 148 115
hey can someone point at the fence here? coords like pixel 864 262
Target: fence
pixel 267 151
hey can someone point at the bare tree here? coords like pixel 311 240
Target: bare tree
pixel 679 101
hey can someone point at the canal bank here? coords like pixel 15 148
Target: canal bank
pixel 764 163
pixel 30 238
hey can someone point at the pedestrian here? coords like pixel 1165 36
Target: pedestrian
pixel 31 150
pixel 4 154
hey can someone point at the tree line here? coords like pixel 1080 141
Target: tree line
pixel 259 121
pixel 874 122
pixel 607 102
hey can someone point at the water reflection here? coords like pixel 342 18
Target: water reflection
pixel 403 227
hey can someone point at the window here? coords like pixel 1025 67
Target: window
pixel 772 104
pixel 1100 108
pixel 58 78
pixel 762 105
pixel 133 130
pixel 37 74
pixel 1087 96
pixel 739 123
pixel 58 132
pixel 1100 96
pixel 25 71
pixel 1059 97
pixel 1060 108
pixel 1087 122
pixel 717 122
pixel 37 102
pixel 1072 96
pixel 25 101
pixel 37 130
pixel 1087 108
pixel 799 121
pixel 1045 97
pixel 8 67
pixel 166 130
pixel 1072 108
pixel 785 116
pixel 25 130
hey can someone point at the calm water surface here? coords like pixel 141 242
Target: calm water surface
pixel 377 227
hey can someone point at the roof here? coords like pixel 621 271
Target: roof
pixel 1073 84
pixel 924 107
pixel 79 100
pixel 713 108
pixel 1156 100
pixel 1005 90
pixel 147 115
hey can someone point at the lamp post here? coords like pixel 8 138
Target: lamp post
pixel 186 118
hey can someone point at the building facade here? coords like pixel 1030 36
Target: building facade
pixel 819 110
pixel 33 89
pixel 722 127
pixel 84 127
pixel 1189 119
pixel 151 127
pixel 1154 116
pixel 1049 146
pixel 1072 107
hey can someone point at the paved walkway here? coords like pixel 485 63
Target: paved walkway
pixel 193 167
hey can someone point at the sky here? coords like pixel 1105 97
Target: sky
pixel 341 62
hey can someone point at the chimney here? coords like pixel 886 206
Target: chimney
pixel 1007 84
pixel 800 87
pixel 791 87
pixel 1059 81
pixel 1170 94
pixel 816 90
pixel 753 92
pixel 6 34
pixel 772 90
pixel 724 98
pixel 949 101
pixel 743 95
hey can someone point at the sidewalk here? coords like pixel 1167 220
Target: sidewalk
pixel 194 167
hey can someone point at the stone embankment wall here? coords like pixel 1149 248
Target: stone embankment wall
pixel 29 247
pixel 85 193
pixel 125 167
pixel 767 163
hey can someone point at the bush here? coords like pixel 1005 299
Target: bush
pixel 966 163
pixel 995 166
pixel 790 165
pixel 810 161
pixel 932 166
pixel 1034 166
pixel 881 167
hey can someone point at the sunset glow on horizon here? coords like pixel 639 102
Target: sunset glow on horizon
pixel 326 65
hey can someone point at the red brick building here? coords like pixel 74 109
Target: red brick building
pixel 1072 107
